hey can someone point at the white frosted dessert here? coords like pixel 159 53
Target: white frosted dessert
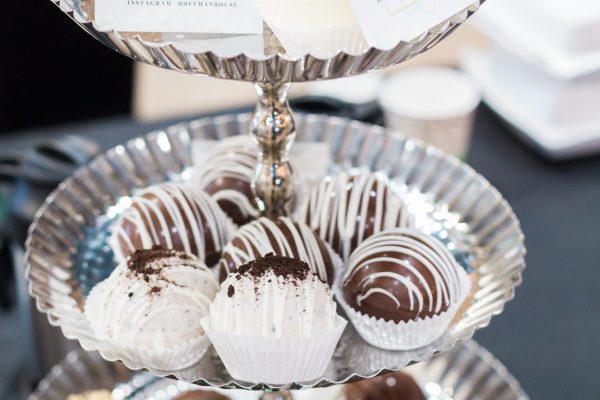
pixel 320 28
pixel 149 309
pixel 274 322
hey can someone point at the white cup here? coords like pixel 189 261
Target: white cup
pixel 434 104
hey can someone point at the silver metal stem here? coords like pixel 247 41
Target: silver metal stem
pixel 274 129
pixel 280 395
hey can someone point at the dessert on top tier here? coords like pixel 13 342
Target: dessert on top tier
pixel 319 28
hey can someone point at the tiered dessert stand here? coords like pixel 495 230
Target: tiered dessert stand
pixel 67 252
pixel 448 376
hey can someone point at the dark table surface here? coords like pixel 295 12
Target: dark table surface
pixel 549 335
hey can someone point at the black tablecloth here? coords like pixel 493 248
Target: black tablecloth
pixel 548 337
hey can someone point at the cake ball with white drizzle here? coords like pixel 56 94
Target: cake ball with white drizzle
pixel 172 216
pixel 351 206
pixel 402 288
pixel 226 175
pixel 282 237
pixel 274 322
pixel 149 309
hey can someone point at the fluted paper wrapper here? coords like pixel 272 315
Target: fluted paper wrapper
pixel 274 361
pixel 178 358
pixel 409 335
pixel 167 360
pixel 322 40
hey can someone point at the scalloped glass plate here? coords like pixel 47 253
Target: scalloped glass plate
pixel 67 252
pixel 468 371
pixel 253 58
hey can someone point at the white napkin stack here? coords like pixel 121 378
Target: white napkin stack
pixel 543 73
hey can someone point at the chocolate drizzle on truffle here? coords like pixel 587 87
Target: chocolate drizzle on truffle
pixel 283 237
pixel 347 209
pixel 226 175
pixel 172 216
pixel 402 275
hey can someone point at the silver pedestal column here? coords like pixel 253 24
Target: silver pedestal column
pixel 274 129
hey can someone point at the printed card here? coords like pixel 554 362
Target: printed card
pixel 197 16
pixel 385 22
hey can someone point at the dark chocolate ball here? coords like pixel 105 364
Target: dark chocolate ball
pixel 402 275
pixel 350 207
pixel 174 217
pixel 392 386
pixel 201 395
pixel 283 237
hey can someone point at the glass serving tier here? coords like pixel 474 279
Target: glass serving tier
pixel 67 252
pixel 468 371
pixel 260 59
pixel 252 58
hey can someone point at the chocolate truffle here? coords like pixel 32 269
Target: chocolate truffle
pixel 201 395
pixel 172 216
pixel 348 208
pixel 282 237
pixel 392 386
pixel 226 175
pixel 402 275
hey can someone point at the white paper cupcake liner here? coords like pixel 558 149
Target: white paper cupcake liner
pixel 177 358
pixel 280 361
pixel 389 335
pixel 322 40
pixel 167 360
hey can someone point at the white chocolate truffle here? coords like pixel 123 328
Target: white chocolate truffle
pixel 274 322
pixel 274 297
pixel 150 308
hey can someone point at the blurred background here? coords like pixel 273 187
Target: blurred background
pixel 524 111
